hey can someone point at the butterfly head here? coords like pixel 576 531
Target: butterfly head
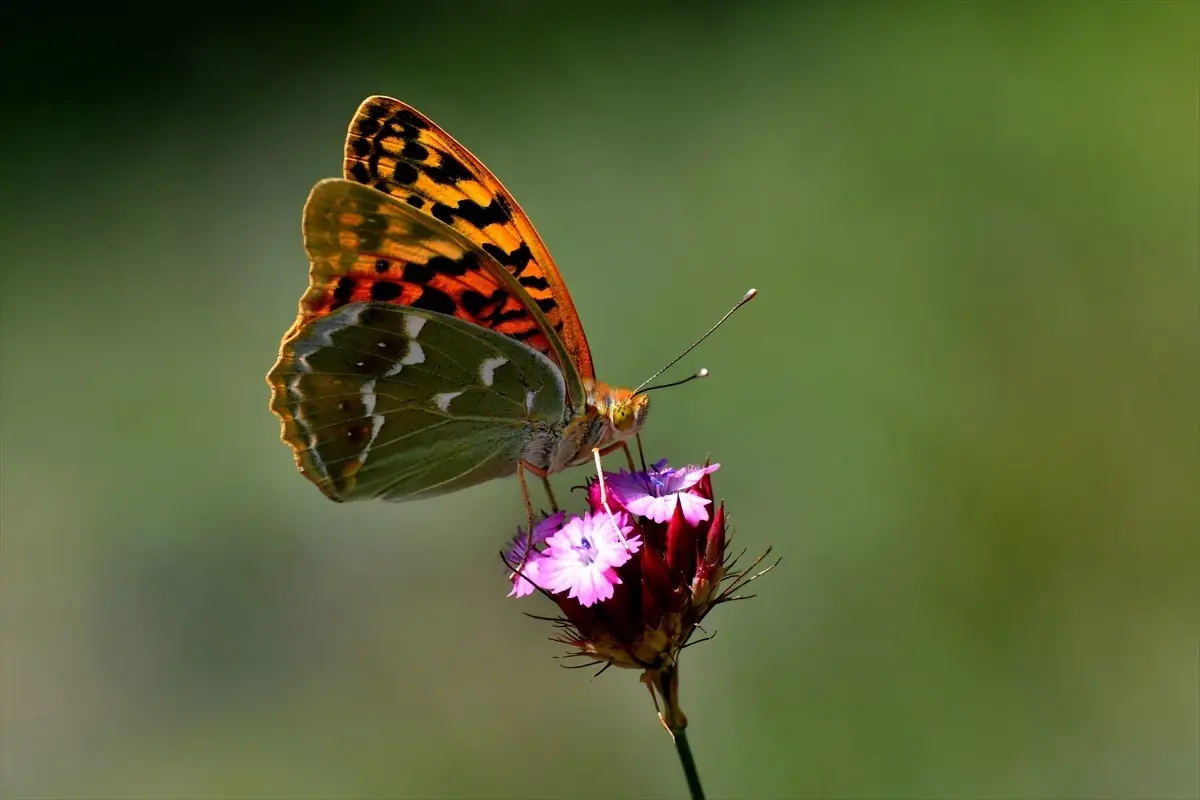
pixel 624 411
pixel 629 414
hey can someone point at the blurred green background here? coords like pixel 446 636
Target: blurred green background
pixel 963 408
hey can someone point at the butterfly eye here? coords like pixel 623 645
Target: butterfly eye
pixel 623 416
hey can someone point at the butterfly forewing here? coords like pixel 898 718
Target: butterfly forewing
pixel 396 149
pixel 379 401
pixel 363 246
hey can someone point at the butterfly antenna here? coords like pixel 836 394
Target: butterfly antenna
pixel 750 295
pixel 703 373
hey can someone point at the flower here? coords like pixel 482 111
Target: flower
pixel 634 599
pixel 581 557
pixel 524 583
pixel 656 492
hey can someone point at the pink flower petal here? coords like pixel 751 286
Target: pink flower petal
pixel 526 583
pixel 658 509
pixel 695 508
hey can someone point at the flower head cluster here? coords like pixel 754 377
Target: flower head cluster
pixel 633 586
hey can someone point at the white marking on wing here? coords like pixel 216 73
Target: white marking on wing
pixel 369 397
pixel 376 424
pixel 443 399
pixel 305 429
pixel 318 334
pixel 315 455
pixel 487 370
pixel 413 325
pixel 530 396
pixel 415 354
pixel 294 388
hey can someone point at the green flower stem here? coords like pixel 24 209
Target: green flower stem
pixel 664 684
pixel 689 764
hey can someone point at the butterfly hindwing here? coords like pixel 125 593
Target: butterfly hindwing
pixel 380 401
pixel 396 149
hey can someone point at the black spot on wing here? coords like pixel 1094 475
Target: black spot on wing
pixel 499 315
pixel 405 173
pixel 369 125
pixel 342 292
pixel 533 282
pixel 405 125
pixel 381 265
pixel 386 290
pixel 414 150
pixel 482 216
pixel 449 171
pixel 408 119
pixel 473 302
pixel 472 212
pixel 419 274
pixel 444 265
pixel 415 200
pixel 515 262
pixel 432 299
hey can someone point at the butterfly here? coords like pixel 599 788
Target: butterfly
pixel 437 346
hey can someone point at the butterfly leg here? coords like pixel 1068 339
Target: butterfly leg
pixel 521 467
pixel 641 453
pixel 614 447
pixel 549 494
pixel 596 453
pixel 545 476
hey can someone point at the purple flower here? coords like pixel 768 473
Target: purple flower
pixel 525 583
pixel 654 494
pixel 581 557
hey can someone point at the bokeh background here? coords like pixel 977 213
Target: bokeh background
pixel 963 408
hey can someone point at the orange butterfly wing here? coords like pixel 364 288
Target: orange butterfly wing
pixel 363 246
pixel 396 149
